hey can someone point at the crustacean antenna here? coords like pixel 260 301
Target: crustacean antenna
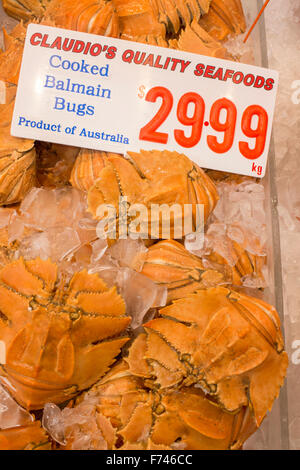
pixel 256 20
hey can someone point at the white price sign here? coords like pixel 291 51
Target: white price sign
pixel 103 93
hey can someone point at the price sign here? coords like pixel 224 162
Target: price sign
pixel 114 95
pixel 196 122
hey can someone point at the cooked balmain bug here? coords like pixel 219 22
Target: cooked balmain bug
pixel 59 338
pixel 224 18
pixel 226 342
pixel 17 156
pixel 154 177
pixel 169 264
pixel 122 412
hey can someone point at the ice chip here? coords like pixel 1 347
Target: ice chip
pixel 80 426
pixel 38 209
pixel 194 242
pixel 16 229
pixel 12 414
pixel 56 243
pixel 45 208
pixel 241 51
pixel 64 241
pixel 86 229
pixel 36 245
pixel 107 269
pixel 242 209
pixel 140 294
pixel 53 423
pixel 218 241
pixel 99 248
pixel 129 253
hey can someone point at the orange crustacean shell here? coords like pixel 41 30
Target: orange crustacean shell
pixel 223 176
pixel 227 343
pixel 11 57
pixel 122 412
pixel 55 163
pixel 7 253
pixel 154 178
pixel 59 338
pixel 138 18
pixel 169 264
pixel 160 23
pixel 224 18
pixel 29 437
pixel 7 248
pixel 87 168
pixel 195 39
pixel 162 17
pixel 17 156
pixel 246 263
pixel 88 16
pixel 26 9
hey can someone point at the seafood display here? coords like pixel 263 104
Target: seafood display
pixel 193 380
pixel 120 344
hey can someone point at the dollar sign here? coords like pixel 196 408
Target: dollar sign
pixel 141 93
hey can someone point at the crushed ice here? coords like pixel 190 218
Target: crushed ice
pixel 12 414
pixel 76 425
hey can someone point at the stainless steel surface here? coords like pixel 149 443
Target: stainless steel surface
pixel 274 220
